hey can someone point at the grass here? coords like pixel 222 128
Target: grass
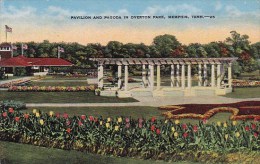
pixel 61 97
pixel 245 93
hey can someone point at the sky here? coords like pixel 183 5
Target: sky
pixel 38 20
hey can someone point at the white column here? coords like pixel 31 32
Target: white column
pixel 149 76
pixel 218 76
pixel 189 75
pixel 205 75
pixel 172 75
pixel 126 77
pixel 183 75
pixel 229 75
pixel 144 75
pixel 158 77
pixel 178 75
pixel 100 76
pixel 212 75
pixel 119 74
pixel 200 78
pixel 152 76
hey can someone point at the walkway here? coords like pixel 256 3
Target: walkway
pixel 152 101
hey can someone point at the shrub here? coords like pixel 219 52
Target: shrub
pixel 16 105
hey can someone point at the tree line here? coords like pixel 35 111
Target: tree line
pixel 163 46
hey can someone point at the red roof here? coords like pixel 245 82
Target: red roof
pixel 22 61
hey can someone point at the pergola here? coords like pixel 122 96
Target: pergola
pixel 178 66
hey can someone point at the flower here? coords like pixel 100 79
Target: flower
pixel 173 129
pixel 26 116
pixel 226 136
pixel 184 126
pixel 219 123
pixel 166 121
pixel 158 131
pixel 65 115
pixel 80 123
pixel 255 134
pixel 127 119
pixel 204 121
pixel 83 117
pixel 247 128
pixel 140 125
pixel 185 134
pixel 100 122
pixel 127 125
pixel 116 128
pixel 107 125
pixel 68 123
pixel 234 123
pixel 68 130
pixel 37 114
pixel 34 111
pixel 237 134
pixel 58 115
pixel 140 120
pixel 17 119
pixel 175 134
pixel 91 118
pixel 177 122
pixel 153 119
pixel 108 119
pixel 253 126
pixel 11 110
pixel 195 128
pixel 152 128
pixel 225 125
pixel 4 114
pixel 51 113
pixel 119 119
pixel 41 121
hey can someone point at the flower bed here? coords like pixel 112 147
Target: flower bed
pixel 245 83
pixel 51 88
pixel 240 111
pixel 123 136
pixel 14 83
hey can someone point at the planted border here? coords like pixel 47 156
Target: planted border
pixel 51 88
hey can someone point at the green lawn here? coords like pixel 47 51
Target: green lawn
pixel 61 97
pixel 253 92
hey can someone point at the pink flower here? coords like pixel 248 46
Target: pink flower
pixel 140 125
pixel 83 117
pixel 11 110
pixel 80 123
pixel 185 135
pixel 127 125
pixel 255 134
pixel 17 119
pixel 152 128
pixel 91 118
pixel 195 128
pixel 65 115
pixel 253 126
pixel 184 126
pixel 68 130
pixel 58 115
pixel 153 119
pixel 26 116
pixel 204 121
pixel 4 114
pixel 158 131
pixel 68 123
pixel 127 120
pixel 140 120
pixel 247 128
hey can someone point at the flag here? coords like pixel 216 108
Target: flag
pixel 14 47
pixel 8 29
pixel 25 47
pixel 61 49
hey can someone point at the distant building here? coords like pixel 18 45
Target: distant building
pixel 33 66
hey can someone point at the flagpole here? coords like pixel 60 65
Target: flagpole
pixel 5 35
pixel 58 51
pixel 22 49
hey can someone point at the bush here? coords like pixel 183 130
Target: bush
pixel 16 105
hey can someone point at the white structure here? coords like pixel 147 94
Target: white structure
pixel 180 82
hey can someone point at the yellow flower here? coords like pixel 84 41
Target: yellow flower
pixel 107 125
pixel 237 134
pixel 175 134
pixel 101 123
pixel 234 123
pixel 119 119
pixel 37 114
pixel 108 119
pixel 173 129
pixel 219 123
pixel 177 122
pixel 51 113
pixel 225 125
pixel 116 128
pixel 226 136
pixel 166 121
pixel 41 121
pixel 34 111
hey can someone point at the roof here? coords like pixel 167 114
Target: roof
pixel 5 44
pixel 22 61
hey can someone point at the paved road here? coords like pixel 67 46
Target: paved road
pixel 152 101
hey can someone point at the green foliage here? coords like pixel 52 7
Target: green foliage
pixel 16 105
pixel 20 71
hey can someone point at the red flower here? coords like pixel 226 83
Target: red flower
pixel 204 121
pixel 255 134
pixel 152 128
pixel 127 120
pixel 95 119
pixel 17 119
pixel 11 110
pixel 247 128
pixel 158 131
pixel 58 115
pixel 153 119
pixel 65 115
pixel 253 126
pixel 80 123
pixel 83 117
pixel 195 128
pixel 26 116
pixel 68 123
pixel 185 135
pixel 68 130
pixel 4 114
pixel 184 126
pixel 91 118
